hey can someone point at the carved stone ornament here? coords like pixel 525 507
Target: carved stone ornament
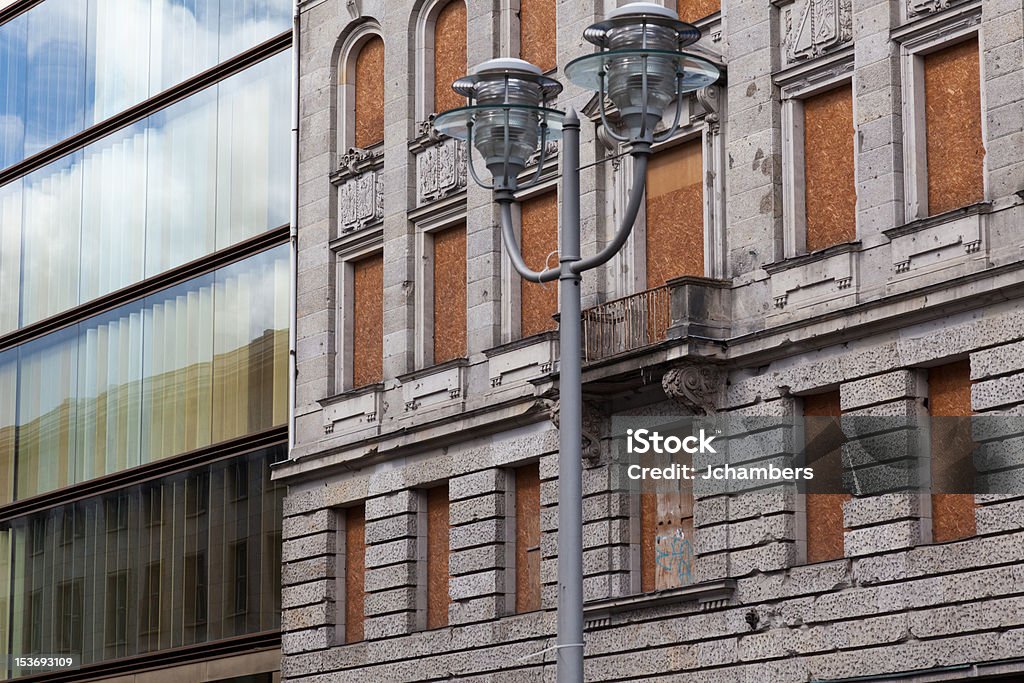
pixel 440 170
pixel 916 7
pixel 694 386
pixel 360 184
pixel 812 27
pixel 708 97
pixel 592 427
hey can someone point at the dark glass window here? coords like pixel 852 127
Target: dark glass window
pixel 110 595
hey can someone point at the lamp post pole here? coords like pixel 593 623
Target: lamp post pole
pixel 570 416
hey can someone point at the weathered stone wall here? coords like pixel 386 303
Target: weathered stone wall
pixel 865 318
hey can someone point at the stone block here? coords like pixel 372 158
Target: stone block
pixel 891 386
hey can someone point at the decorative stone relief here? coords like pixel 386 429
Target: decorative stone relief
pixel 696 387
pixel 440 170
pixel 360 189
pixel 811 27
pixel 915 7
pixel 592 426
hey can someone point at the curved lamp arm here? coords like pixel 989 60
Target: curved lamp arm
pixel 641 153
pixel 508 238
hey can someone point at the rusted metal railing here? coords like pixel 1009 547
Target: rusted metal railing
pixel 621 325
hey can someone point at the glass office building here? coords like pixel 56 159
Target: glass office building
pixel 144 284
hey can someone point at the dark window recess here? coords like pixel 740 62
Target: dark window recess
pixel 69 618
pixel 241 577
pixel 117 609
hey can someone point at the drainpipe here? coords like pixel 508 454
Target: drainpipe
pixel 293 231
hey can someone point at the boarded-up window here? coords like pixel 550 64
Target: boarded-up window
pixel 537 30
pixel 438 596
pixel 666 543
pixel 823 441
pixel 675 214
pixel 952 466
pixel 355 572
pixel 955 151
pixel 367 320
pixel 370 93
pixel 528 538
pixel 830 188
pixel 450 294
pixel 449 55
pixel 538 303
pixel 692 10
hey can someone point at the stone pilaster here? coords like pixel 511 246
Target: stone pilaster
pixel 479 547
pixel 886 462
pixel 308 581
pixel 997 397
pixel 392 585
pixel 1002 36
pixel 878 120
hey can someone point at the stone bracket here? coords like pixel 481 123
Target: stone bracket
pixel 354 412
pixel 697 387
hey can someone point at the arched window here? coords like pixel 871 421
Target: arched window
pixel 537 22
pixel 361 89
pixel 369 93
pixel 450 62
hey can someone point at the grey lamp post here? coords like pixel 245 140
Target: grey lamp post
pixel 641 68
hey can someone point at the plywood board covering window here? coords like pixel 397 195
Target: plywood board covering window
pixel 692 10
pixel 675 214
pixel 437 557
pixel 449 54
pixel 367 320
pixel 450 293
pixel 528 538
pixel 370 93
pixel 949 404
pixel 537 30
pixel 538 303
pixel 955 151
pixel 830 188
pixel 355 572
pixel 666 544
pixel 823 439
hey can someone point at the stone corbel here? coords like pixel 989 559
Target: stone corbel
pixel 697 387
pixel 592 427
pixel 709 99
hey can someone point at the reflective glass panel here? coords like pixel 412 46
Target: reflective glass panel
pixel 68 64
pixel 188 558
pixel 198 363
pixel 203 174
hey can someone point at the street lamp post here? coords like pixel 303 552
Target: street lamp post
pixel 641 68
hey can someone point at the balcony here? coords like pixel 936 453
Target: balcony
pixel 625 324
pixel 685 307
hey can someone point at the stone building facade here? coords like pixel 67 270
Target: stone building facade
pixel 856 180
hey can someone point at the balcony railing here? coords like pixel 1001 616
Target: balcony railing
pixel 626 324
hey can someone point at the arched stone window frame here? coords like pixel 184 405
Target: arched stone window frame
pixel 425 21
pixel 345 73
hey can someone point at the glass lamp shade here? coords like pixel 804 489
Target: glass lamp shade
pixel 488 124
pixel 640 39
pixel 507 113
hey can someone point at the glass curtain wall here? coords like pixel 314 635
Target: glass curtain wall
pixel 201 175
pixel 67 64
pixel 199 363
pixel 184 559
